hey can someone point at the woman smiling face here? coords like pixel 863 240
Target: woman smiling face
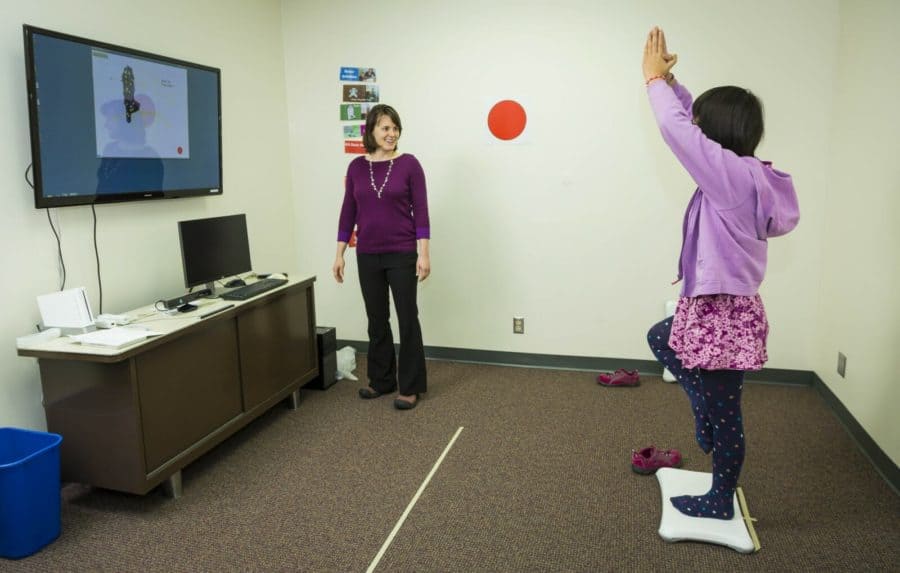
pixel 386 134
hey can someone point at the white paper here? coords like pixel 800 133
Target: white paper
pixel 114 337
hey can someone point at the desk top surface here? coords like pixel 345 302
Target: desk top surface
pixel 164 322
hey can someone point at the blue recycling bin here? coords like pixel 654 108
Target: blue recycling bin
pixel 29 491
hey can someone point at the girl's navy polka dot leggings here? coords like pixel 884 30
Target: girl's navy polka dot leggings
pixel 715 397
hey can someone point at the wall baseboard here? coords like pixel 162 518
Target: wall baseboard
pixel 880 460
pixel 587 363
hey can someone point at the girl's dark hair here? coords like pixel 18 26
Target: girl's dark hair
pixel 372 120
pixel 730 116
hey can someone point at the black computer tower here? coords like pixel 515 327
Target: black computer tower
pixel 327 343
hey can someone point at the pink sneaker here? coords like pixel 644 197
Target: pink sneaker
pixel 620 377
pixel 649 459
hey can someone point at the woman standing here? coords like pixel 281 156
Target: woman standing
pixel 385 198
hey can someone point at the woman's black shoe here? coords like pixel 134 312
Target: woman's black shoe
pixel 367 393
pixel 405 405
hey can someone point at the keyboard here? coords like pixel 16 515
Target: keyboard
pixel 253 289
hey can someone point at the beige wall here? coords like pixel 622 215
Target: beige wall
pixel 138 243
pixel 860 270
pixel 578 227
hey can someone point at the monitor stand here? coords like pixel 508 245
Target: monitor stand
pixel 208 290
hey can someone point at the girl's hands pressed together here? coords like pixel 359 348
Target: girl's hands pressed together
pixel 658 62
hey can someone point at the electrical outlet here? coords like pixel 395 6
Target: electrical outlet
pixel 842 364
pixel 518 325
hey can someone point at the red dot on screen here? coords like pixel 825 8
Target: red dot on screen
pixel 506 120
pixel 180 150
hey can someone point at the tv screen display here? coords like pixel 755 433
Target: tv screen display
pixel 214 248
pixel 112 124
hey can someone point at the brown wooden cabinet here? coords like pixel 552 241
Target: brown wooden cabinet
pixel 133 419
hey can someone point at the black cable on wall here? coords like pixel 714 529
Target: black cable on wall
pixel 97 256
pixel 62 262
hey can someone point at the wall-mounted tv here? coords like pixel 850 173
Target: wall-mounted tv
pixel 111 124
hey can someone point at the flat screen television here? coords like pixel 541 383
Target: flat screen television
pixel 213 249
pixel 111 124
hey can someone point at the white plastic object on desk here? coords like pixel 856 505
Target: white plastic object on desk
pixel 38 337
pixel 112 320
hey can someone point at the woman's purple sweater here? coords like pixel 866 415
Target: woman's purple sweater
pixel 393 222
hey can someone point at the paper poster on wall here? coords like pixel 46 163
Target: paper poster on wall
pixel 360 93
pixel 357 98
pixel 354 146
pixel 354 111
pixel 353 131
pixel 358 75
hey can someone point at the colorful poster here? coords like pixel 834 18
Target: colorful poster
pixel 352 146
pixel 360 93
pixel 354 92
pixel 356 101
pixel 358 75
pixel 349 74
pixel 354 111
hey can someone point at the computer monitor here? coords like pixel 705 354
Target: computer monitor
pixel 214 248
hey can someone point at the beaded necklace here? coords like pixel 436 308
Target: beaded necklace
pixel 380 190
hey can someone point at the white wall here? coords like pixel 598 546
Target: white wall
pixel 578 228
pixel 138 242
pixel 860 274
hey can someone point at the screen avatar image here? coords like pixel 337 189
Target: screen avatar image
pixel 131 105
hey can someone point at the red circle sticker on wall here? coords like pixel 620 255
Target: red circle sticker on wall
pixel 506 120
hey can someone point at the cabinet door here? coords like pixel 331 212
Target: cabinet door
pixel 95 408
pixel 188 388
pixel 276 344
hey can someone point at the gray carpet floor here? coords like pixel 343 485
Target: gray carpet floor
pixel 538 480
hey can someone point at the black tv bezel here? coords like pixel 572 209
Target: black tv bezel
pixel 43 202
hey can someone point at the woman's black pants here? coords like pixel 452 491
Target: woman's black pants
pixel 394 273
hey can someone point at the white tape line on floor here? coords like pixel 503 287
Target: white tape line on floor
pixel 412 503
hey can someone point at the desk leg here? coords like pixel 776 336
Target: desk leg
pixel 294 400
pixel 172 486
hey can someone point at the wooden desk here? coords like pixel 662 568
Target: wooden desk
pixel 132 418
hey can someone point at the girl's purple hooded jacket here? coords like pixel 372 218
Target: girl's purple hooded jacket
pixel 740 202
